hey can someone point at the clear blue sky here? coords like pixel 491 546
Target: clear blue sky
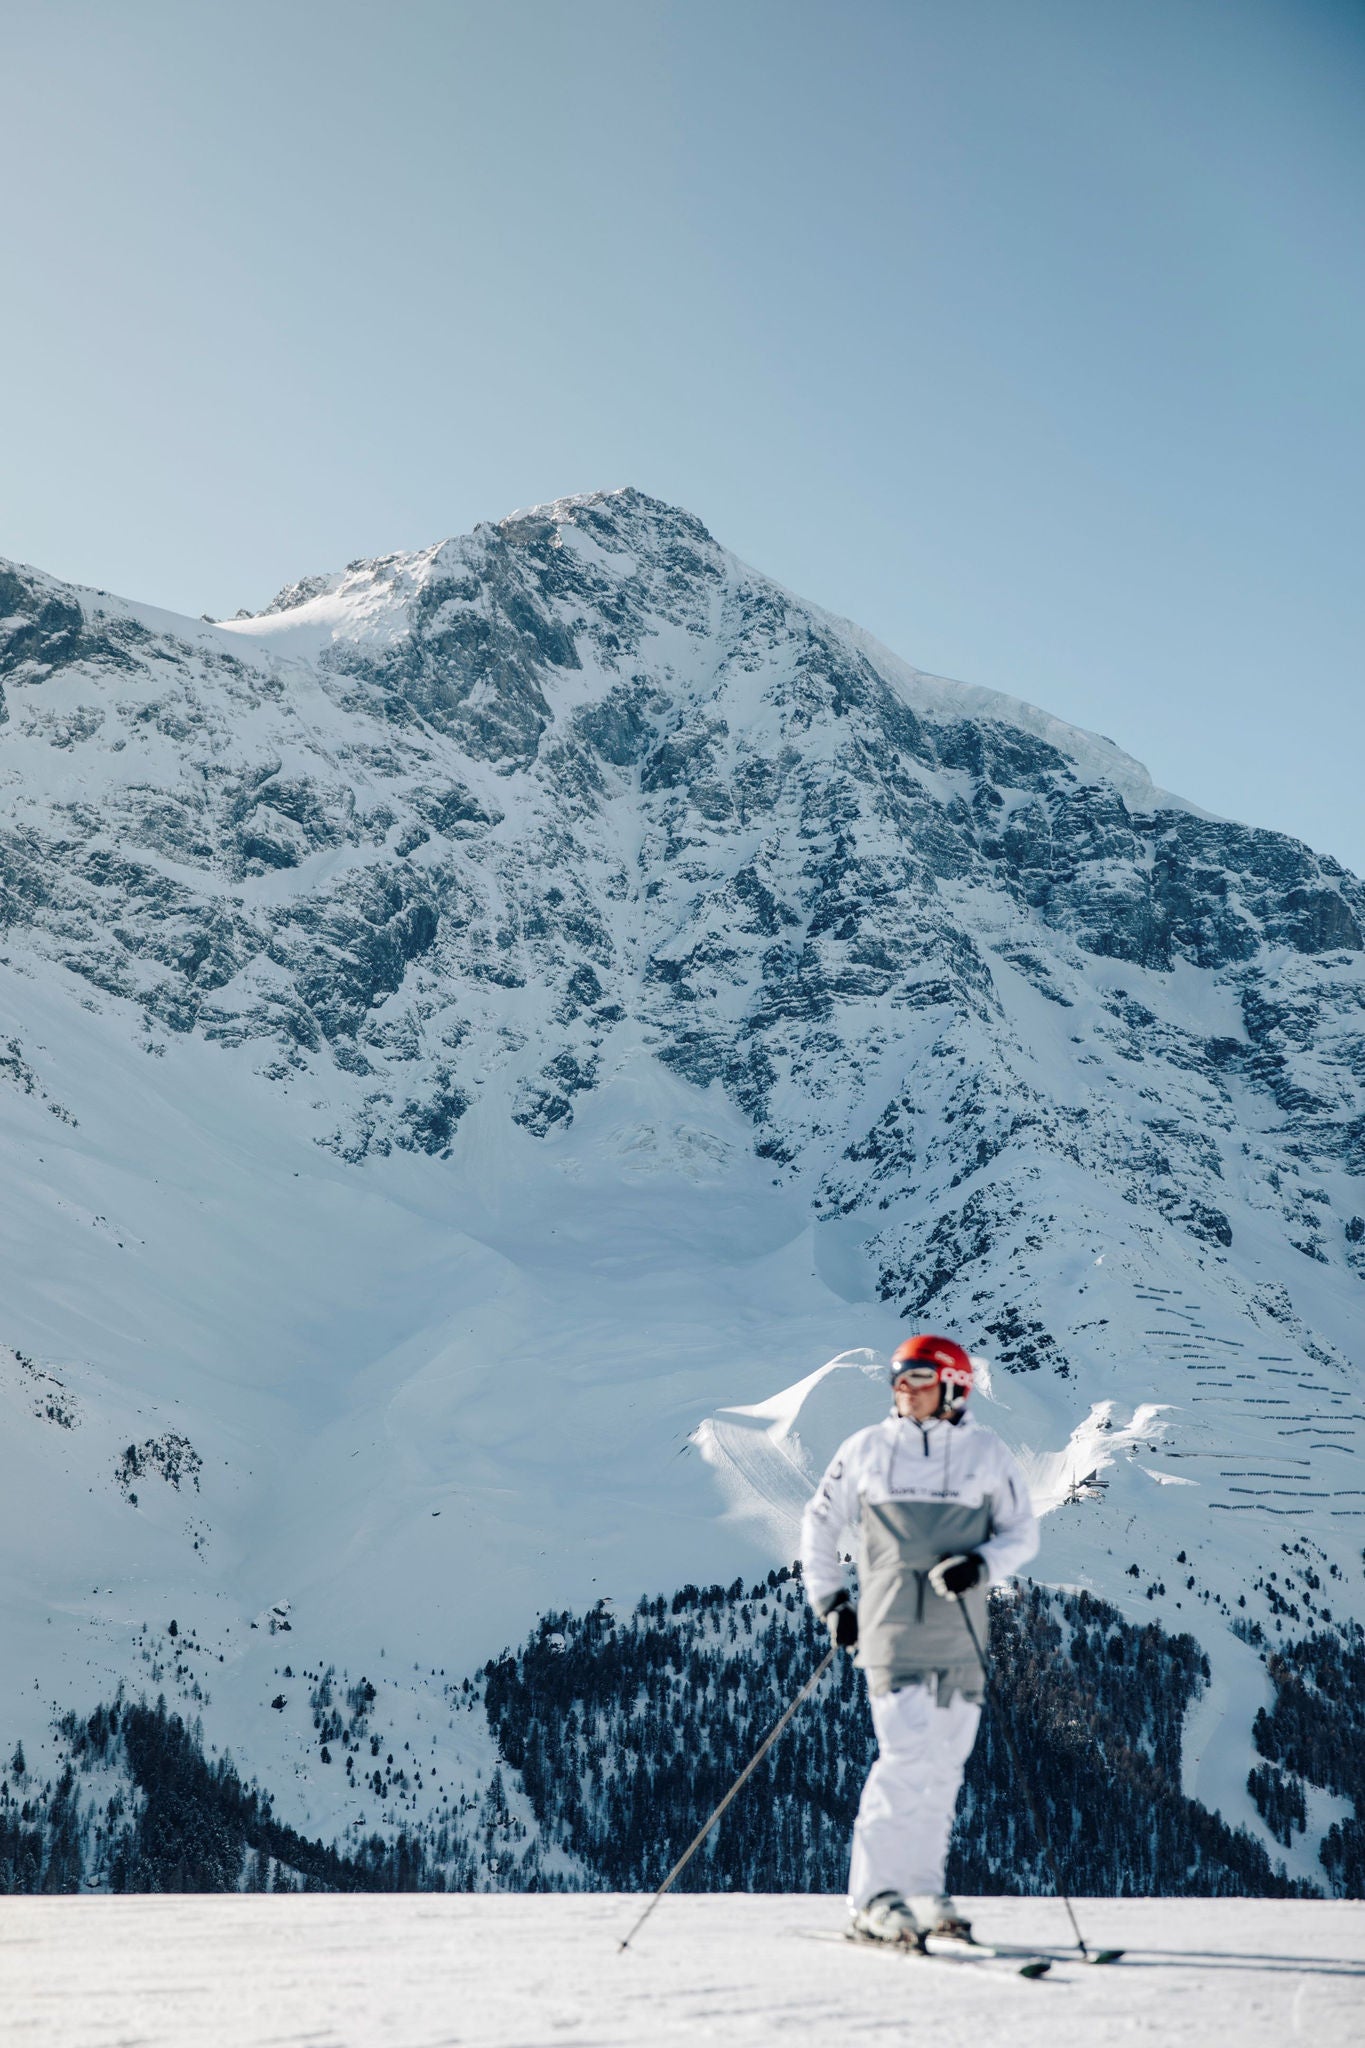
pixel 1030 333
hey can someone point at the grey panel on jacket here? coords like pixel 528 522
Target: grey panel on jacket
pixel 907 1632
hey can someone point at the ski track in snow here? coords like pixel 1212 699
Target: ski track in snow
pixel 526 1972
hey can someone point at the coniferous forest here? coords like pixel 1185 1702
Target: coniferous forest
pixel 601 1719
pixel 623 1731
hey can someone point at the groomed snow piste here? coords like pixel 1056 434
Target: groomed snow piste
pixel 488 1972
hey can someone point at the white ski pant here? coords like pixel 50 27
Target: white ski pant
pixel 900 1838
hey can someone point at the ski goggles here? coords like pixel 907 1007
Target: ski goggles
pixel 918 1375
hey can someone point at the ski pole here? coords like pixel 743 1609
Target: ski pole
pixel 1025 1787
pixel 755 1760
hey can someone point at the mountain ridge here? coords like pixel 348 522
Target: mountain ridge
pixel 968 699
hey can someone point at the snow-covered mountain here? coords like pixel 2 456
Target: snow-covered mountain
pixel 478 1037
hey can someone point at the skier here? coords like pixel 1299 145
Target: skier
pixel 942 1510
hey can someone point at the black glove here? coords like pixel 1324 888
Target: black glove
pixel 953 1576
pixel 841 1619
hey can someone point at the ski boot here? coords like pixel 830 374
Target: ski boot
pixel 937 1914
pixel 887 1918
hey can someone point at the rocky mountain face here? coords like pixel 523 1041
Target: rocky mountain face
pixel 479 810
pixel 531 881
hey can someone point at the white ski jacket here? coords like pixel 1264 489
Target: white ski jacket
pixel 917 1492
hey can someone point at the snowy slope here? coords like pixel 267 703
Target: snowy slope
pixel 404 1973
pixel 474 1034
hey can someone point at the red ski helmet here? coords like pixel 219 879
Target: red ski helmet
pixel 950 1363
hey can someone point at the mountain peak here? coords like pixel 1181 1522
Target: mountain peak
pixel 549 574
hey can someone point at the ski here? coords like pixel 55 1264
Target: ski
pixel 940 1943
pixel 1023 1963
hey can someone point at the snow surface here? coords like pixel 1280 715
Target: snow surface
pixel 525 1972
